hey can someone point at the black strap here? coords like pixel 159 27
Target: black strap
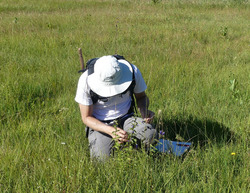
pixel 87 132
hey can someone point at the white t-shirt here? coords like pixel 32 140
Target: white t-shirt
pixel 116 106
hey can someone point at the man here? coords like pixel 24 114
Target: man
pixel 106 105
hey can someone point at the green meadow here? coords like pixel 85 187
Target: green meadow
pixel 195 58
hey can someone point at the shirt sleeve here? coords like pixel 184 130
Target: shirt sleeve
pixel 83 90
pixel 140 84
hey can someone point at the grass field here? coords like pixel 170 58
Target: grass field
pixel 194 56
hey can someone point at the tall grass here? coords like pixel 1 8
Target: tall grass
pixel 194 56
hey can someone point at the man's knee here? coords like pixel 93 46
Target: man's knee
pixel 148 133
pixel 143 131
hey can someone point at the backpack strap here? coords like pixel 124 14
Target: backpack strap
pixel 131 91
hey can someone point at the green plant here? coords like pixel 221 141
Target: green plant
pixel 186 63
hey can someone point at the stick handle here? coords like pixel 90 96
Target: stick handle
pixel 81 58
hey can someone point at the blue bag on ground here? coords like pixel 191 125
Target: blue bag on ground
pixel 173 147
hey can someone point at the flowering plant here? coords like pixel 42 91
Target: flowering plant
pixel 161 134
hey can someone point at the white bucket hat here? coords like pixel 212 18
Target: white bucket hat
pixel 110 76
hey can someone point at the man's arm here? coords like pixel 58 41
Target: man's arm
pixel 142 104
pixel 93 123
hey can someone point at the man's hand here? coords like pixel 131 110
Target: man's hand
pixel 116 133
pixel 149 117
pixel 120 135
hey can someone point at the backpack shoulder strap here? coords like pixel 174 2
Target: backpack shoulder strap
pixel 131 91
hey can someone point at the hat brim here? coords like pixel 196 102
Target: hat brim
pixel 119 87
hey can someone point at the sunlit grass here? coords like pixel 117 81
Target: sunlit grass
pixel 194 56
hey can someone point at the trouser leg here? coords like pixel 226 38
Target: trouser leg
pixel 100 145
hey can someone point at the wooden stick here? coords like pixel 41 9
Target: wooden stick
pixel 81 58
